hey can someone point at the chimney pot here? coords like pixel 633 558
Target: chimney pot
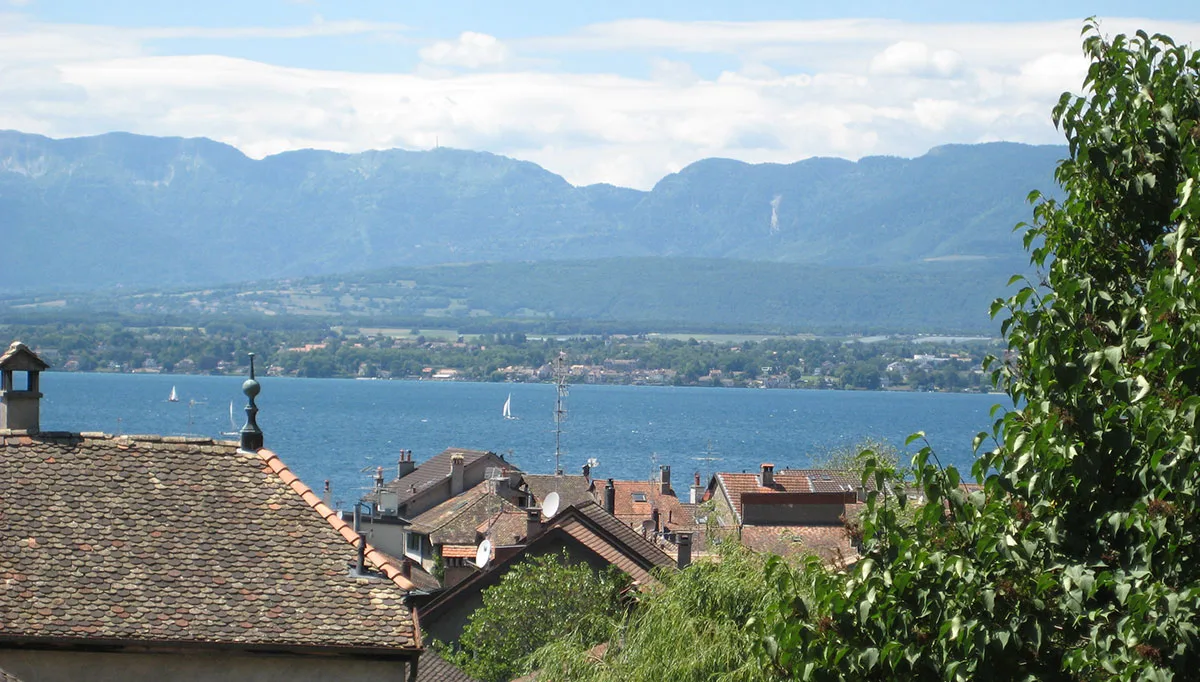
pixel 664 479
pixel 768 475
pixel 20 407
pixel 610 497
pixel 456 474
pixel 405 465
pixel 533 524
pixel 684 555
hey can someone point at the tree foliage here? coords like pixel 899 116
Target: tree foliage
pixel 1077 556
pixel 542 599
pixel 692 626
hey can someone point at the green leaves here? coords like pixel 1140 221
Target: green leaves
pixel 1080 556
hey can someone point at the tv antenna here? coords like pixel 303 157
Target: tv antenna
pixel 560 410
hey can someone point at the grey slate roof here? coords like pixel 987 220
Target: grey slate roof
pixel 571 489
pixel 435 469
pixel 159 540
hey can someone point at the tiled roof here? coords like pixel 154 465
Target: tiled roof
pixel 571 489
pixel 435 469
pixel 786 481
pixel 592 527
pixel 506 527
pixel 455 520
pixel 644 553
pixel 459 551
pixel 831 543
pixel 19 357
pixel 159 540
pixel 6 676
pixel 434 668
pixel 671 512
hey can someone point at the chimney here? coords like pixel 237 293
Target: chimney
pixel 654 518
pixel 587 473
pixel 697 491
pixel 405 466
pixel 456 474
pixel 768 475
pixel 406 567
pixel 20 408
pixel 684 556
pixel 533 524
pixel 610 497
pixel 252 436
pixel 328 494
pixel 378 478
pixel 664 480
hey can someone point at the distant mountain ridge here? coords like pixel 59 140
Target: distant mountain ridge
pixel 128 210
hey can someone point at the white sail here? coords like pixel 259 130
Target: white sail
pixel 508 407
pixel 174 397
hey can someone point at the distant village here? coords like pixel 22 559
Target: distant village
pixel 862 363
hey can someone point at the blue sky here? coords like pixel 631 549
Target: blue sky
pixel 617 92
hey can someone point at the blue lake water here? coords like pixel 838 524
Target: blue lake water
pixel 341 429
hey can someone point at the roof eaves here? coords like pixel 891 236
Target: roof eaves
pixel 376 558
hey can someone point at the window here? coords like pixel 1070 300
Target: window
pixel 639 497
pixel 414 544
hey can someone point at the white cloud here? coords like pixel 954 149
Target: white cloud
pixel 910 58
pixel 470 50
pixel 791 90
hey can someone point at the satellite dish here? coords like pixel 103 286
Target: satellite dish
pixel 483 554
pixel 593 462
pixel 550 505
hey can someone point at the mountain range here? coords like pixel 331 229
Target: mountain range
pixel 123 210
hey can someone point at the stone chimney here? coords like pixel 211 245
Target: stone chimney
pixel 684 555
pixel 610 497
pixel 533 524
pixel 406 465
pixel 654 518
pixel 20 406
pixel 697 490
pixel 587 473
pixel 768 475
pixel 664 480
pixel 457 467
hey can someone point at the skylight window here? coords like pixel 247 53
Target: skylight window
pixel 639 497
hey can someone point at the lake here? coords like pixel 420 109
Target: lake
pixel 341 429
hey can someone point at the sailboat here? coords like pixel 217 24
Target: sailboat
pixel 508 408
pixel 174 397
pixel 233 429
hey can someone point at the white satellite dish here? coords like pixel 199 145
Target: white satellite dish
pixel 483 554
pixel 550 505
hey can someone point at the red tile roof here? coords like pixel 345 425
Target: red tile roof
pixel 788 481
pixel 151 540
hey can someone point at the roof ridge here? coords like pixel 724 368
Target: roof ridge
pixel 377 558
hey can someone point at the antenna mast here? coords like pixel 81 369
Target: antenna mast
pixel 560 411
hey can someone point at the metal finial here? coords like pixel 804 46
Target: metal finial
pixel 252 436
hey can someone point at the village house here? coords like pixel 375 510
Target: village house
pixel 145 558
pixel 584 531
pixel 790 512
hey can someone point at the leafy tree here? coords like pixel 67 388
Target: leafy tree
pixel 690 627
pixel 1078 557
pixel 543 599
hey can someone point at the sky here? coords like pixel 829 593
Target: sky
pixel 617 91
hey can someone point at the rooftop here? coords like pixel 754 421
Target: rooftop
pixel 144 539
pixel 433 470
pixel 787 481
